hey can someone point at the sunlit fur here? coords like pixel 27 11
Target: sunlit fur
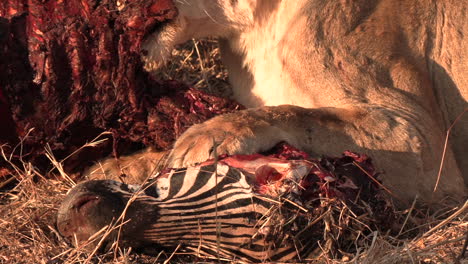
pixel 382 77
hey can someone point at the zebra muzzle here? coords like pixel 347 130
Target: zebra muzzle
pixel 88 212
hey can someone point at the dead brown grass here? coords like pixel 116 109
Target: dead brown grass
pixel 29 202
pixel 198 64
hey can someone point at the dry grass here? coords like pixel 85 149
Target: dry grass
pixel 198 64
pixel 29 202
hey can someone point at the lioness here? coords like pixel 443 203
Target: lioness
pixel 386 78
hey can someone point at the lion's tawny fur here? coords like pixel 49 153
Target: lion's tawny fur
pixel 386 78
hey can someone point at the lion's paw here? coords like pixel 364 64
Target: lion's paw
pixel 228 134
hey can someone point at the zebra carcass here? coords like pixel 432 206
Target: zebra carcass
pixel 245 207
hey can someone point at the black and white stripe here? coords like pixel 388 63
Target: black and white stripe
pixel 214 211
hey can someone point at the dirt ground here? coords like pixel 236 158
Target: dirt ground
pixel 29 200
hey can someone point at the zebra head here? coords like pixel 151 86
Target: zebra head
pixel 256 212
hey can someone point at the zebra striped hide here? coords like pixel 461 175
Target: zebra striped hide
pixel 249 208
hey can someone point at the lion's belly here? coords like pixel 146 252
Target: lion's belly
pixel 271 86
pixel 272 94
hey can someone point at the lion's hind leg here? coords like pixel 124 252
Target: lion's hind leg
pixel 132 169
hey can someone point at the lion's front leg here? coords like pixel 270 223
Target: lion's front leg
pixel 408 159
pixel 244 132
pixel 259 129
